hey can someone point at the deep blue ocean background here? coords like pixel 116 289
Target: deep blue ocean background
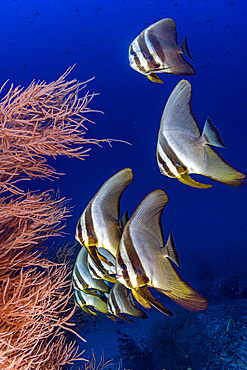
pixel 41 39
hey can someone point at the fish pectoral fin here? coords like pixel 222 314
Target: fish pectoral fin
pixel 147 296
pixel 154 78
pixel 186 179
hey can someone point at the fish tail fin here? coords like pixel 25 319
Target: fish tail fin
pixel 212 135
pixel 147 296
pixel 185 49
pixel 186 179
pixel 124 219
pixel 154 78
pixel 171 250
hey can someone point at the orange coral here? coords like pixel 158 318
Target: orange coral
pixel 42 120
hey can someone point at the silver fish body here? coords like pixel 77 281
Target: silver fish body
pixel 156 50
pixel 109 267
pixel 182 150
pixel 120 303
pixel 143 261
pixel 90 302
pixel 82 278
pixel 99 225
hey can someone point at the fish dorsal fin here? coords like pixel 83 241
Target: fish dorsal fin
pixel 165 31
pixel 217 169
pixel 110 192
pixel 147 216
pixel 170 250
pixel 177 114
pixel 212 135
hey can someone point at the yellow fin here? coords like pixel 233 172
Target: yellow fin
pixel 103 258
pixel 154 78
pixel 217 169
pixel 186 179
pixel 140 299
pixel 176 288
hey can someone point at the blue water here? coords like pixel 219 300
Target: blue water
pixel 41 39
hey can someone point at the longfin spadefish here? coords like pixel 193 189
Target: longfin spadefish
pixel 147 296
pixel 186 179
pixel 154 78
pixel 93 254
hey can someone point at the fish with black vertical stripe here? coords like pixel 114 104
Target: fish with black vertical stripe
pixel 182 150
pixel 120 303
pixel 156 50
pixel 99 225
pixel 82 277
pixel 143 260
pixel 92 304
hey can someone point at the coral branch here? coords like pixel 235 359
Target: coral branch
pixel 39 121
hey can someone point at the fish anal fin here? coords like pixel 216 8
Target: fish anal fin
pixel 218 169
pixel 186 179
pixel 154 78
pixel 211 134
pixel 147 296
pixel 176 288
pixel 125 318
pixel 140 299
pixel 171 251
